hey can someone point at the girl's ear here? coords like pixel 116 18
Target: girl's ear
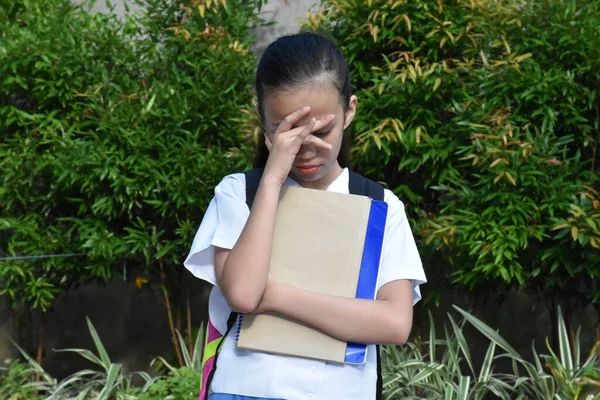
pixel 351 111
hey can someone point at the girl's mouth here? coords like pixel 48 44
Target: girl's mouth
pixel 308 169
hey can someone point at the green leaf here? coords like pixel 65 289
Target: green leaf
pixel 566 356
pixel 111 378
pixel 83 353
pixel 462 343
pixel 486 365
pixel 490 333
pixel 150 103
pixel 463 388
pixel 449 393
pixel 99 346
pixel 432 338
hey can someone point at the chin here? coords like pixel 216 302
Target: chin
pixel 307 177
pixel 312 180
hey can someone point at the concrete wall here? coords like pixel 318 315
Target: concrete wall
pixel 287 15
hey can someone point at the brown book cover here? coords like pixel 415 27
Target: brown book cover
pixel 318 246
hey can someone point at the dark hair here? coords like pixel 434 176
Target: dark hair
pixel 295 60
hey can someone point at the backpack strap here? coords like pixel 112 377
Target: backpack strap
pixel 252 181
pixel 379 393
pixel 362 186
pixel 209 364
pixel 357 185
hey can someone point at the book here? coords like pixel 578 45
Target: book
pixel 323 242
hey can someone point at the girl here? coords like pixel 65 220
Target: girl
pixel 305 105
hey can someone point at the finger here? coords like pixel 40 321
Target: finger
pixel 307 130
pixel 323 122
pixel 291 119
pixel 318 142
pixel 319 124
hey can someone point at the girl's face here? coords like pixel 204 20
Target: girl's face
pixel 314 167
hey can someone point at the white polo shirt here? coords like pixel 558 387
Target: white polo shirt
pixel 259 374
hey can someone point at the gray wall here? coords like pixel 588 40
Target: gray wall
pixel 287 15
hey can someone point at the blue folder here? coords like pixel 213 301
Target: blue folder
pixel 356 353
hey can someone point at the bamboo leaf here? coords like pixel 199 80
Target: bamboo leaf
pixel 523 57
pixel 151 102
pixel 510 178
pixel 407 20
pixel 377 141
pixel 484 59
pixel 496 162
pixel 498 177
pixel 574 232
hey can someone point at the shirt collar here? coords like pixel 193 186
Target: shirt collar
pixel 339 185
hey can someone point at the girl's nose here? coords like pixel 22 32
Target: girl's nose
pixel 307 152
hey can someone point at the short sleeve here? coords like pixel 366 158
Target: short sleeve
pixel 400 257
pixel 221 226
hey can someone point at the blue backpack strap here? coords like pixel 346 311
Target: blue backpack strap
pixel 357 185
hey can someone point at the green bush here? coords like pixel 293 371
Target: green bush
pixel 14 381
pixel 114 134
pixel 444 368
pixel 107 380
pixel 484 118
pixel 184 383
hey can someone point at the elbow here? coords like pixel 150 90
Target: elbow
pixel 242 301
pixel 400 333
pixel 243 306
pixel 242 297
pixel 399 339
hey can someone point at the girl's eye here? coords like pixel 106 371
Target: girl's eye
pixel 321 134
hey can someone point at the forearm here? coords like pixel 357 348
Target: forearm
pixel 245 271
pixel 348 319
